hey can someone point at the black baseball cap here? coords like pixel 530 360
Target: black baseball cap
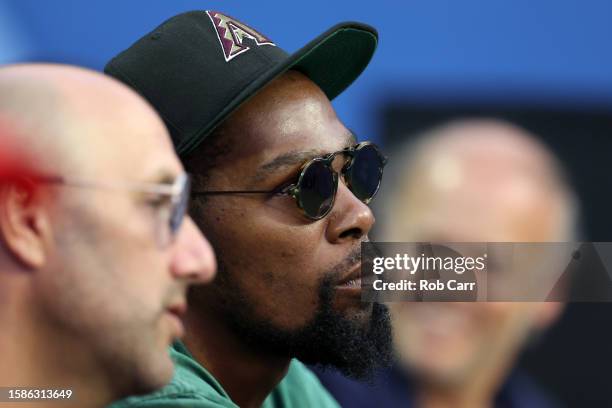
pixel 196 68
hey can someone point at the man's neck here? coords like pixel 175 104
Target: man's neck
pixel 477 390
pixel 441 397
pixel 246 375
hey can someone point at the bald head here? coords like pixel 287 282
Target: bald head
pixel 479 180
pixel 71 120
pixel 93 266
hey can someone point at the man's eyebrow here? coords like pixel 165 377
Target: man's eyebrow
pixel 290 159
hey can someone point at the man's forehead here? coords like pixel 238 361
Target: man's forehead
pixel 285 124
pixel 138 150
pixel 160 165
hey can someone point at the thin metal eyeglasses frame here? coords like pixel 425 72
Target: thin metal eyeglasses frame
pixel 178 191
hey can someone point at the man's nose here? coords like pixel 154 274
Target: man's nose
pixel 192 255
pixel 350 219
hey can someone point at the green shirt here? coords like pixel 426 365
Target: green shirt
pixel 194 387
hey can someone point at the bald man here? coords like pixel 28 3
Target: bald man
pixel 467 181
pixel 94 258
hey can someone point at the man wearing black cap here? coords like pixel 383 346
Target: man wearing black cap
pixel 281 189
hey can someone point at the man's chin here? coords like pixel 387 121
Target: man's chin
pixel 356 344
pixel 157 371
pixel 144 378
pixel 344 333
pixel 360 314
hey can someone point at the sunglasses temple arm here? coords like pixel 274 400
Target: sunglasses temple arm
pixel 232 192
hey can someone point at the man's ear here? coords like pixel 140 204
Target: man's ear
pixel 24 223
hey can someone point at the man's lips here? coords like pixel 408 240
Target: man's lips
pixel 179 309
pixel 352 279
pixel 175 312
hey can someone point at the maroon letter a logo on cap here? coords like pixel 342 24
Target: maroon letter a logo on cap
pixel 231 33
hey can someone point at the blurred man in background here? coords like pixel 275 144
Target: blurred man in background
pixel 468 181
pixel 94 257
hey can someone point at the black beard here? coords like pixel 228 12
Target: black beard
pixel 353 347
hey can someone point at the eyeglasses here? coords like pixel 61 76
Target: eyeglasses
pixel 317 184
pixel 177 194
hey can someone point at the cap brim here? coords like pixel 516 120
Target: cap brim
pixel 333 61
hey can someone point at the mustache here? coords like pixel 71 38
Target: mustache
pixel 353 258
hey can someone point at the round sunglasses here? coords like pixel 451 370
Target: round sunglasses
pixel 361 167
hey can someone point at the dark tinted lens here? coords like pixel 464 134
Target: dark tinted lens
pixel 365 173
pixel 179 209
pixel 317 189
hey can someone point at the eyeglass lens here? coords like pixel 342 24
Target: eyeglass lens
pixel 318 184
pixel 365 173
pixel 317 189
pixel 179 208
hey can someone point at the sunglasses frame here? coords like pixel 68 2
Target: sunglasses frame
pixel 293 190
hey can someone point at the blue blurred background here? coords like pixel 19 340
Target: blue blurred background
pixel 545 51
pixel 544 64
